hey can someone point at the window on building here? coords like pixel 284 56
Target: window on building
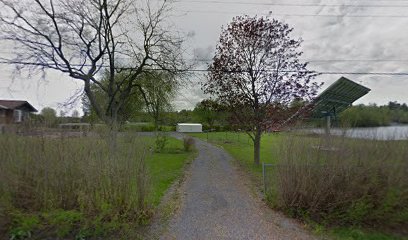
pixel 18 116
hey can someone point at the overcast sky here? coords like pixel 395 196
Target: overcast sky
pixel 374 40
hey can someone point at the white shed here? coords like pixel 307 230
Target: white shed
pixel 189 127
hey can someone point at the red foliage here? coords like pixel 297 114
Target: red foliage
pixel 256 71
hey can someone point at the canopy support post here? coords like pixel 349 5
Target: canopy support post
pixel 328 125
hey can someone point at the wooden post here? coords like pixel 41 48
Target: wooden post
pixel 328 125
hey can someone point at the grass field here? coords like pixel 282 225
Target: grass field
pixel 240 146
pixel 360 180
pixel 75 188
pixel 166 167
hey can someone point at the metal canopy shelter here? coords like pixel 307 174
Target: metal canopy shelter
pixel 337 98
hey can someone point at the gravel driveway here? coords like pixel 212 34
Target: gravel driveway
pixel 217 204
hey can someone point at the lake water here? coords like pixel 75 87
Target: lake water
pixel 379 133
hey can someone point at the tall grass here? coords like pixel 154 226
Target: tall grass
pixel 342 180
pixel 40 174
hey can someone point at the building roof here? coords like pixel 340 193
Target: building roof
pixel 189 124
pixel 15 104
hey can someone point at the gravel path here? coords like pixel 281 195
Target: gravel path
pixel 218 205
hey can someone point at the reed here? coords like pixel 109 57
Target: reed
pixel 342 180
pixel 42 173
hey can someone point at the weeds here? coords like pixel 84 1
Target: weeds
pixel 188 143
pixel 77 176
pixel 342 181
pixel 23 226
pixel 55 187
pixel 161 141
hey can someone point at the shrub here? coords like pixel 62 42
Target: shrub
pixel 63 220
pixel 188 143
pixel 366 116
pixel 342 181
pixel 146 127
pixel 161 141
pixel 23 226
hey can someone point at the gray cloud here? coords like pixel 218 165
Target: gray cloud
pixel 325 38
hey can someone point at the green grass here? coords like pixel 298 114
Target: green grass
pixel 358 234
pixel 166 167
pixel 240 146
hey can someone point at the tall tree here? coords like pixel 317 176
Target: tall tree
pixel 133 104
pixel 158 89
pixel 83 38
pixel 208 111
pixel 49 116
pixel 256 68
pixel 153 95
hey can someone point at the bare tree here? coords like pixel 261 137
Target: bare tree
pixel 85 38
pixel 256 71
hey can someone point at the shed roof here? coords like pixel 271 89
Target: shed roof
pixel 15 104
pixel 189 124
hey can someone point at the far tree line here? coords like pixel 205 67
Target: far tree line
pixel 217 117
pixel 373 115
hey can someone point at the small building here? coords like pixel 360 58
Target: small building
pixel 189 127
pixel 15 111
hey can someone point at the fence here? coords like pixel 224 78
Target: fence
pixel 266 177
pixel 272 174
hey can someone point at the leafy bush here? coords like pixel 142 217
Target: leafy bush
pixel 146 127
pixel 23 225
pixel 167 128
pixel 366 116
pixel 65 220
pixel 342 181
pixel 161 141
pixel 218 128
pixel 188 143
pixel 138 127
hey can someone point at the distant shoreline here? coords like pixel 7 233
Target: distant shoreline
pixel 393 132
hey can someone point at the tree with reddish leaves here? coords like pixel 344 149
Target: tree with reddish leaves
pixel 256 71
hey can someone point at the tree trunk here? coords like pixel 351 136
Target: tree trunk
pixel 257 146
pixel 113 135
pixel 156 116
pixel 156 124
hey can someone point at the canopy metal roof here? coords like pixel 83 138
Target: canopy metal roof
pixel 337 97
pixel 189 124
